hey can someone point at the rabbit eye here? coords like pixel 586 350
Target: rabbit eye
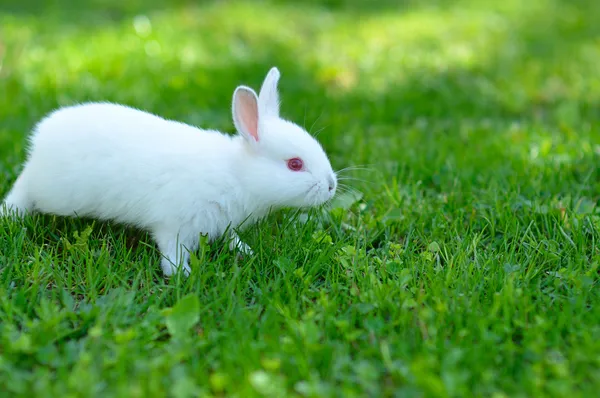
pixel 295 164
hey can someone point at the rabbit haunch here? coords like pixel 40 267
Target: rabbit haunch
pixel 112 162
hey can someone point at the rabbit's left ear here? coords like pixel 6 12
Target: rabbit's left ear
pixel 245 113
pixel 268 99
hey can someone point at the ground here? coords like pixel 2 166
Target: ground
pixel 461 260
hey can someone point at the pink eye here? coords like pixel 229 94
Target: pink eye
pixel 295 164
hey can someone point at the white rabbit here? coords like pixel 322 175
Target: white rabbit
pixel 112 162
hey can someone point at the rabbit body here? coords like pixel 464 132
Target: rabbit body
pixel 113 162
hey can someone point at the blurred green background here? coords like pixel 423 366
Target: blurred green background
pixel 468 267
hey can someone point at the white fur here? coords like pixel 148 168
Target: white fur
pixel 112 162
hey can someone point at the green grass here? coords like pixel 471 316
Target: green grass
pixel 468 267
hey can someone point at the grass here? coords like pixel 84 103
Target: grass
pixel 468 266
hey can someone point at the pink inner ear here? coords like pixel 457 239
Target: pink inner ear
pixel 247 110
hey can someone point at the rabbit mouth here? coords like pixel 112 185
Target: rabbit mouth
pixel 314 196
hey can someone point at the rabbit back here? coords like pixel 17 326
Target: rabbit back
pixel 113 162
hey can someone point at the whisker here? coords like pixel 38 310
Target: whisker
pixel 347 190
pixel 354 179
pixel 348 172
pixel 345 187
pixel 343 184
pixel 348 193
pixel 316 134
pixel 315 122
pixel 356 168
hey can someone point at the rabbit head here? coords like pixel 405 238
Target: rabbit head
pixel 281 163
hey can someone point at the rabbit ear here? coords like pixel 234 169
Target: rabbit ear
pixel 269 97
pixel 245 113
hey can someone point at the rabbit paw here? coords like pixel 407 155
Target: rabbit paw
pixel 242 248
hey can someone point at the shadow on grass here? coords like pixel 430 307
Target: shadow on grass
pixel 96 11
pixel 91 12
pixel 551 41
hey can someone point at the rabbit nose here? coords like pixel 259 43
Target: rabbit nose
pixel 331 183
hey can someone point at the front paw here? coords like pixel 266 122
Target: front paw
pixel 244 249
pixel 241 247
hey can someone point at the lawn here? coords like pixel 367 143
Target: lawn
pixel 461 259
